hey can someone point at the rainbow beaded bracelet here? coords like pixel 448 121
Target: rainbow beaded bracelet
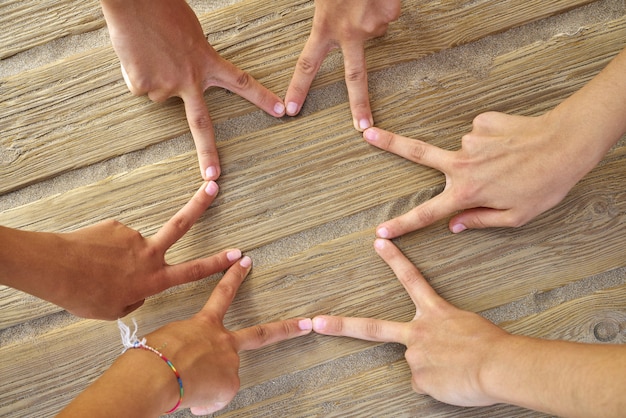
pixel 131 341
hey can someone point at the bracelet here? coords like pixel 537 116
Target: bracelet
pixel 131 341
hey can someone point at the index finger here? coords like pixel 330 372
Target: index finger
pixel 229 76
pixel 421 216
pixel 421 293
pixel 225 291
pixel 356 83
pixel 261 335
pixel 412 149
pixel 309 62
pixel 201 128
pixel 367 329
pixel 182 221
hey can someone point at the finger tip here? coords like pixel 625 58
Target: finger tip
pixel 305 324
pixel 246 262
pixel 292 108
pixel 211 188
pixel 279 109
pixel 233 255
pixel 318 323
pixel 383 232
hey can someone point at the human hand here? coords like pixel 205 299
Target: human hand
pixel 509 170
pixel 448 349
pixel 344 24
pixel 109 269
pixel 206 353
pixel 164 53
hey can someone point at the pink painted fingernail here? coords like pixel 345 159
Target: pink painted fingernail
pixel 233 255
pixel 364 124
pixel 245 262
pixel 458 228
pixel 382 232
pixel 211 173
pixel 305 324
pixel 319 324
pixel 279 108
pixel 211 188
pixel 292 108
pixel 379 244
pixel 370 135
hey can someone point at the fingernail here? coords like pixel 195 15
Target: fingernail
pixel 458 228
pixel 245 262
pixel 379 244
pixel 292 108
pixel 319 324
pixel 364 124
pixel 370 135
pixel 279 109
pixel 382 232
pixel 211 173
pixel 211 188
pixel 233 255
pixel 305 324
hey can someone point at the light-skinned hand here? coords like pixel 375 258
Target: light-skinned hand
pixel 343 24
pixel 164 53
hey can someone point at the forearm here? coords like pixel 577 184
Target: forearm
pixel 28 258
pixel 557 377
pixel 595 116
pixel 138 384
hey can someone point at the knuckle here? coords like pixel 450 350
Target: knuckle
pixel 262 333
pixel 201 122
pixel 373 329
pixel 355 74
pixel 243 80
pixel 306 66
pixel 417 152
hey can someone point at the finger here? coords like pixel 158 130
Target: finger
pixel 480 218
pixel 421 293
pixel 308 64
pixel 225 291
pixel 180 223
pixel 232 78
pixel 127 81
pixel 261 335
pixel 201 128
pixel 198 269
pixel 421 216
pixel 412 149
pixel 362 328
pixel 356 82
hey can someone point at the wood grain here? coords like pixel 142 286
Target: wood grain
pixel 303 195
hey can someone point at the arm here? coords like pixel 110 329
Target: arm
pixel 204 353
pixel 106 270
pixel 512 168
pixel 460 358
pixel 164 53
pixel 344 24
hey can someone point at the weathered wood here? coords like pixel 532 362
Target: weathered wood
pixel 78 111
pixel 302 197
pixel 263 188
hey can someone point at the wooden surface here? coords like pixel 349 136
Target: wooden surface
pixel 303 195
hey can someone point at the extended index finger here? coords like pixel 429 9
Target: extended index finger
pixel 261 335
pixel 225 291
pixel 412 149
pixel 421 293
pixel 356 82
pixel 368 329
pixel 203 134
pixel 180 223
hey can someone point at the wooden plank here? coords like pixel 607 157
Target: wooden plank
pixel 27 24
pixel 357 390
pixel 339 171
pixel 48 113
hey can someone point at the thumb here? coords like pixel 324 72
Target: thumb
pixel 480 218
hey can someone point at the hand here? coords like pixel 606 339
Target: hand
pixel 164 53
pixel 509 170
pixel 111 268
pixel 206 353
pixel 447 348
pixel 344 24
